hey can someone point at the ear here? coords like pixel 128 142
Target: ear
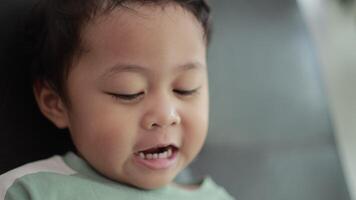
pixel 50 104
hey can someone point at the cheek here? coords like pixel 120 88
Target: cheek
pixel 102 128
pixel 196 126
pixel 194 137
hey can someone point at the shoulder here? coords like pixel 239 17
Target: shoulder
pixel 54 164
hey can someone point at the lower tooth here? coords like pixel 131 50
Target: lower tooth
pixel 169 153
pixel 142 155
pixel 149 156
pixel 155 156
pixel 162 155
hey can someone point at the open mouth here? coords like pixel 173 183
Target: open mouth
pixel 158 158
pixel 160 152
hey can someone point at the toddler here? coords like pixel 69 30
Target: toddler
pixel 128 79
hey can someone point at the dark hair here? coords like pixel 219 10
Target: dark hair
pixel 55 28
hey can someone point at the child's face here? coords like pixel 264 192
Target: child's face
pixel 151 59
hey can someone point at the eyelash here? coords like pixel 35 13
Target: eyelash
pixel 186 92
pixel 126 97
pixel 132 97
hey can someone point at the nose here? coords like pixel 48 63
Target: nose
pixel 162 113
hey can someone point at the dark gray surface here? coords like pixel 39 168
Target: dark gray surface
pixel 270 135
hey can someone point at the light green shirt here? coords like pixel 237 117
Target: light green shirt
pixel 71 178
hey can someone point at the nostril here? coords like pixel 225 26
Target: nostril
pixel 151 122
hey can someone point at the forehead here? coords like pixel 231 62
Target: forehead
pixel 124 30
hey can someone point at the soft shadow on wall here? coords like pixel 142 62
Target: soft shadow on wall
pixel 332 25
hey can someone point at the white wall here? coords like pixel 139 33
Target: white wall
pixel 334 34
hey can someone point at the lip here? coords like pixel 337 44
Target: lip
pixel 158 164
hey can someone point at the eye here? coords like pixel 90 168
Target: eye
pixel 126 97
pixel 186 92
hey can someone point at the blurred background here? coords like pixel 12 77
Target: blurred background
pixel 283 104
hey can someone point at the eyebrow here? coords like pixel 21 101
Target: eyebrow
pixel 119 68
